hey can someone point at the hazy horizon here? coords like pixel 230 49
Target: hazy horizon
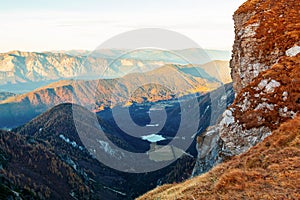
pixel 91 50
pixel 37 26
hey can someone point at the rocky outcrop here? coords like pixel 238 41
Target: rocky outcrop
pixel 264 31
pixel 209 148
pixel 266 77
pixel 270 170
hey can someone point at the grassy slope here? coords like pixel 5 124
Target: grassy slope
pixel 270 170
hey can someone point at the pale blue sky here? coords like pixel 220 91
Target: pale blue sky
pixel 40 25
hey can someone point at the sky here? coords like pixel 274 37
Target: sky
pixel 44 25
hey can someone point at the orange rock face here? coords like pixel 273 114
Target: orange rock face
pixel 264 30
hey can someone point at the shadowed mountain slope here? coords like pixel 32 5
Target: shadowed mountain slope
pixel 160 84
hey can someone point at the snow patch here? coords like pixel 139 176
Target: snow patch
pixel 224 97
pixel 70 162
pixel 73 143
pixel 206 109
pixel 107 148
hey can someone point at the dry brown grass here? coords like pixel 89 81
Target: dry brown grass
pixel 270 170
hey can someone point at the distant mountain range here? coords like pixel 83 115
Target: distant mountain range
pixel 162 83
pixel 25 71
pixel 206 55
pixel 57 157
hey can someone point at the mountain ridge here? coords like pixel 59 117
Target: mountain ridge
pixel 160 84
pixel 17 67
pixel 55 131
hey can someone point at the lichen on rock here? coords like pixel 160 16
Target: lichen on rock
pixel 266 78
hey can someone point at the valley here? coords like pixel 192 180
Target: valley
pixel 124 122
pixel 44 120
pixel 162 83
pixel 61 139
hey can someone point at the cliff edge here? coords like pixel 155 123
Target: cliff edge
pixel 265 68
pixel 266 77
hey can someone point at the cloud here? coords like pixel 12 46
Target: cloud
pixel 208 23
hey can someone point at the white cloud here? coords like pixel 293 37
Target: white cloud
pixel 207 23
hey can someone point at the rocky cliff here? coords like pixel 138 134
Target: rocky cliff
pixel 270 170
pixel 264 32
pixel 265 71
pixel 266 77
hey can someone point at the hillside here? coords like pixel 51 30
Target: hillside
pixel 62 138
pixel 54 132
pixel 269 170
pixel 160 84
pixel 46 159
pixel 30 170
pixel 56 164
pixel 257 137
pixel 218 69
